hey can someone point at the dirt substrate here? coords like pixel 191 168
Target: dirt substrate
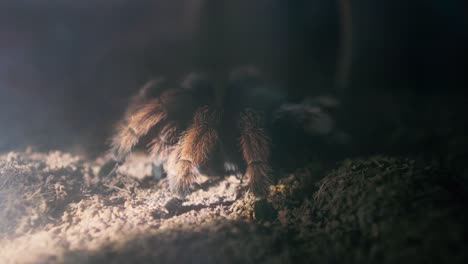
pixel 54 208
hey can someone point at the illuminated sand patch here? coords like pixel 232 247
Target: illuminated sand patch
pixel 54 208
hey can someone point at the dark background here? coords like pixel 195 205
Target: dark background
pixel 68 67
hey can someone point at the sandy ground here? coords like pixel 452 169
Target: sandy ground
pixel 55 208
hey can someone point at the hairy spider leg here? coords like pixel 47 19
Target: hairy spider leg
pixel 255 146
pixel 193 150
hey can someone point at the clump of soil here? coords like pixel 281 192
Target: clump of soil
pixel 392 210
pixel 58 209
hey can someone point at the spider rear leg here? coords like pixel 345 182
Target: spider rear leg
pixel 193 150
pixel 256 151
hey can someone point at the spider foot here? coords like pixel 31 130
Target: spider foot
pixel 109 168
pixel 157 171
pixel 182 178
pixel 259 178
pixel 231 168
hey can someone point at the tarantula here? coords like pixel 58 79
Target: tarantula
pixel 192 127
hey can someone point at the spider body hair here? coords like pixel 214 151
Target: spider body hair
pixel 156 107
pixel 190 128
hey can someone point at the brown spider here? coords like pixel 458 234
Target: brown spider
pixel 189 130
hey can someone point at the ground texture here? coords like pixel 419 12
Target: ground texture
pixel 55 208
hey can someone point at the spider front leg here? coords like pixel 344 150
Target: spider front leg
pixel 138 120
pixel 193 150
pixel 256 151
pixel 136 124
pixel 162 145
